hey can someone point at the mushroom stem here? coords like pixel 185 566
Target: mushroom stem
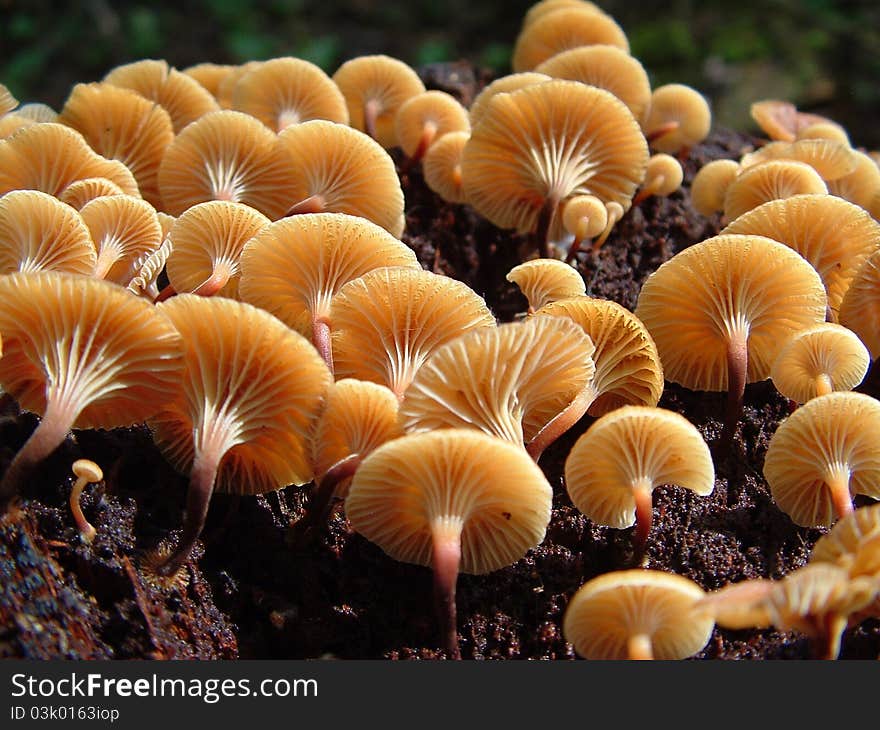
pixel 827 644
pixel 87 472
pixel 837 480
pixel 662 130
pixel 321 340
pixel 215 282
pixel 312 204
pixel 429 133
pixel 445 560
pixel 638 647
pixel 166 293
pixel 542 226
pixel 48 436
pixel 823 384
pixel 108 256
pixel 319 507
pixel 561 422
pixel 651 187
pixel 615 213
pixel 644 518
pixel 372 108
pixel 579 237
pixel 737 367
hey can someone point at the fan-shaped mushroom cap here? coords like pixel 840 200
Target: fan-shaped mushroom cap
pixel 380 84
pixel 183 97
pixel 285 91
pixel 295 267
pixel 822 454
pixel 543 7
pixel 12 122
pixel 502 85
pixel 561 30
pixel 663 176
pixel 543 281
pixel 861 185
pixel 846 536
pixel 226 155
pixel 637 614
pixel 80 192
pixel 834 235
pixel 781 120
pixel 628 370
pixel 441 166
pixel 38 112
pixel 124 230
pixel 771 180
pixel 607 67
pixel 710 184
pixel 825 130
pixel 358 418
pixel 7 101
pixel 831 159
pixel 387 322
pixel 724 288
pixel 683 105
pixel 207 241
pixel 423 118
pixel 48 157
pixel 635 448
pixel 860 308
pixel 39 232
pixel 226 85
pixel 551 141
pixel 209 75
pixel 82 353
pixel 253 389
pixel 508 381
pixel 407 488
pixel 122 125
pixel 819 360
pixel 347 170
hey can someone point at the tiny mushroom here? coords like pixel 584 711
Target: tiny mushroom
pixel 823 454
pixel 456 500
pixel 86 472
pixel 637 614
pixel 442 166
pixel 770 180
pixel 832 160
pixel 678 118
pixel 426 117
pixel 663 176
pixel 80 192
pixel 710 184
pixel 781 120
pixel 544 281
pixel 613 468
pixel 584 217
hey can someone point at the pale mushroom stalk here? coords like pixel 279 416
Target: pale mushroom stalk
pixel 87 472
pixel 445 560
pixel 823 384
pixel 615 213
pixel 312 204
pixel 648 190
pixel 837 478
pixel 826 644
pixel 372 109
pixel 321 340
pixel 580 235
pixel 642 490
pixel 560 423
pixel 639 647
pixel 662 131
pixel 543 224
pixel 429 133
pixel 737 367
pixel 110 253
pixel 216 281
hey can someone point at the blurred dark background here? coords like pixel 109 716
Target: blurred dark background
pixel 822 55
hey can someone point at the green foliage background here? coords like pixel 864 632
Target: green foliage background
pixel 822 55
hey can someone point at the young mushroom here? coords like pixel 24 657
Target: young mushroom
pixel 663 176
pixel 832 160
pixel 637 614
pixel 770 180
pixel 678 118
pixel 818 360
pixel 613 468
pixel 86 472
pixel 823 454
pixel 455 500
pixel 860 307
pixel 441 166
pixel 244 411
pixel 720 310
pixel 426 117
pixel 544 281
pixel 81 353
pixel 585 217
pixel 781 120
pixel 80 192
pixel 710 184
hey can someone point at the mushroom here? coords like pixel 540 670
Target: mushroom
pixel 122 125
pixel 124 229
pixel 720 310
pixel 832 160
pixel 678 118
pixel 710 184
pixel 663 176
pixel 818 360
pixel 284 91
pixel 456 500
pixel 39 232
pixel 517 381
pixel 37 112
pixel 607 67
pixel 180 95
pixel 541 8
pixel 341 170
pixel 86 472
pixel 823 454
pixel 7 101
pixel 613 468
pixel 374 87
pixel 81 353
pixel 781 120
pixel 359 416
pixel 561 30
pixel 226 85
pixel 825 130
pixel 80 192
pixel 244 410
pixel 741 605
pixel 586 216
pixel 637 614
pixel 502 85
pixel 771 180
pixel 862 185
pixel 387 322
pixel 834 235
pixel 441 166
pixel 628 369
pixel 206 245
pixel 48 157
pixel 860 307
pixel 226 155
pixel 544 281
pixel 426 117
pixel 209 75
pixel 536 147
pixel 295 267
pixel 11 123
pixel 843 541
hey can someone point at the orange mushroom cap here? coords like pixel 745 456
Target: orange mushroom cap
pixel 7 101
pixel 860 307
pixel 683 105
pixel 80 192
pixel 502 85
pixel 831 159
pixel 544 281
pixel 862 185
pixel 442 166
pixel 710 184
pixel 843 541
pixel 209 75
pixel 426 117
pixel 771 180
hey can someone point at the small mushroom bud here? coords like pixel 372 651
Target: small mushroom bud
pixel 87 472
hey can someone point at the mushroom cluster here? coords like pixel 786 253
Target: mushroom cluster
pixel 220 255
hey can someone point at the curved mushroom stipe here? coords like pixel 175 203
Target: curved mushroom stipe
pixel 312 204
pixel 445 560
pixel 87 472
pixel 560 423
pixel 615 213
pixel 214 283
pixel 737 367
pixel 662 130
pixel 543 225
